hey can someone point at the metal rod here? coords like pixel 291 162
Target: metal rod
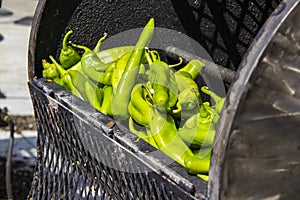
pixel 6 120
pixel 210 68
pixel 8 162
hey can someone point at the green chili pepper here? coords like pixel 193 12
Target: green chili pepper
pixel 49 70
pixel 113 54
pixel 204 154
pixel 187 104
pixel 184 81
pixel 198 165
pixel 141 133
pixel 107 98
pixel 138 107
pixel 188 99
pixel 173 90
pixel 219 102
pixel 91 63
pixel 127 81
pixel 66 80
pixel 197 137
pixel 106 77
pixel 199 129
pixel 159 76
pixel 119 69
pixel 192 69
pixel 68 56
pixel 163 130
pixel 108 56
pixel 88 89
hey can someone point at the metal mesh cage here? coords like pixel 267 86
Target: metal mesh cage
pixel 83 154
pixel 68 169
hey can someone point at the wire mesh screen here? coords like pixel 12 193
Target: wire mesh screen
pixel 225 28
pixel 67 169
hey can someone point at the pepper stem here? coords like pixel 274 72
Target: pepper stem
pixel 155 56
pixel 86 49
pixel 148 56
pixel 65 40
pixel 177 64
pixel 205 90
pixel 149 91
pixel 61 70
pixel 97 47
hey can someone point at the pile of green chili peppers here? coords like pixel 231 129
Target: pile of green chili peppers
pixel 134 86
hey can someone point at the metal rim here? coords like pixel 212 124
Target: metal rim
pixel 238 89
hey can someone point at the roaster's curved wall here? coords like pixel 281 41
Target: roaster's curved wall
pixel 224 29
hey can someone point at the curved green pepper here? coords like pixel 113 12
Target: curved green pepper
pixel 198 165
pixel 199 129
pixel 127 81
pixel 119 69
pixel 107 98
pixel 113 54
pixel 106 77
pixel 219 102
pixel 65 78
pixel 139 108
pixel 142 134
pixel 173 90
pixel 91 63
pixel 49 70
pixel 159 77
pixel 88 89
pixel 163 130
pixel 68 56
pixel 192 69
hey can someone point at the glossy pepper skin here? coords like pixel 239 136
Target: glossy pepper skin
pixel 106 102
pixel 113 54
pixel 159 77
pixel 91 64
pixel 141 133
pixel 106 77
pixel 192 69
pixel 65 78
pixel 88 89
pixel 119 69
pixel 139 107
pixel 68 56
pixel 198 165
pixel 129 75
pixel 163 130
pixel 50 71
pixel 199 129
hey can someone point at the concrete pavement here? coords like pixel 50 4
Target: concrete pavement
pixel 15 25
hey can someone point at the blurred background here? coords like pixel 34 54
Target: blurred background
pixel 15 24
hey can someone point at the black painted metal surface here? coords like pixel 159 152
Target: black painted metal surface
pixel 224 28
